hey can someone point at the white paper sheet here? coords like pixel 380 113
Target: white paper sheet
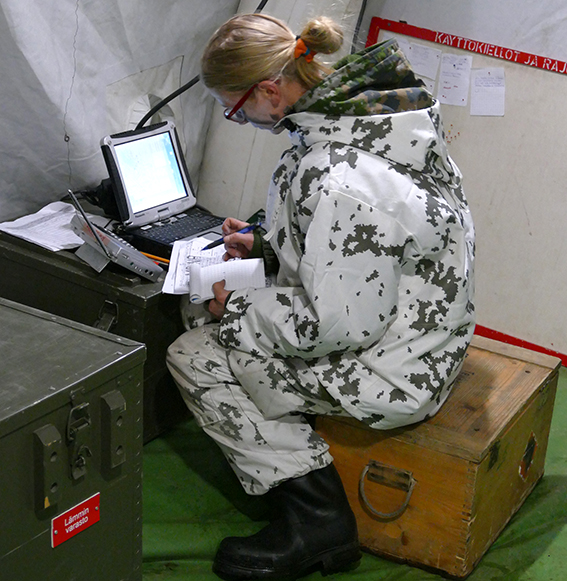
pixel 488 92
pixel 194 270
pixel 424 60
pixel 184 254
pixel 454 79
pixel 237 274
pixel 49 228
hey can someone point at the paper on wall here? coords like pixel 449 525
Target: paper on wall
pixel 454 79
pixel 488 92
pixel 424 60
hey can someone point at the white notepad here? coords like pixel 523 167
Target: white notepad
pixel 194 270
pixel 237 274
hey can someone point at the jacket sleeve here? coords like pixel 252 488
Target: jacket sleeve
pixel 348 266
pixel 262 249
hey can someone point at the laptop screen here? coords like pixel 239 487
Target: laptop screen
pixel 150 171
pixel 148 174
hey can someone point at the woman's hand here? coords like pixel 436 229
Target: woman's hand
pixel 216 305
pixel 236 245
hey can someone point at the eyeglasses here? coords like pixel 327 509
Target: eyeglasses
pixel 236 114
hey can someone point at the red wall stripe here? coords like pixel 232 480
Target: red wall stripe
pixel 484 48
pixel 498 336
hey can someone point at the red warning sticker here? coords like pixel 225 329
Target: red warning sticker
pixel 75 520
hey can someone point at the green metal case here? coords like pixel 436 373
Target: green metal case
pixel 70 448
pixel 115 300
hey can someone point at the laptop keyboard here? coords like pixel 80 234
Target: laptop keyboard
pixel 181 226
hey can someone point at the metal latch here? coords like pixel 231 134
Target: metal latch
pixel 107 316
pixel 114 430
pixel 78 437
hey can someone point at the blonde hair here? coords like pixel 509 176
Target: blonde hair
pixel 250 48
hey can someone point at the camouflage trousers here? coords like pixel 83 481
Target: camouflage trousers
pixel 263 448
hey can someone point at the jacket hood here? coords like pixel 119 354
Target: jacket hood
pixel 374 102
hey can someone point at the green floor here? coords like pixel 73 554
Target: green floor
pixel 192 501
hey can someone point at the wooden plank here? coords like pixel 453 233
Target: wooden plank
pixel 497 380
pixel 489 381
pixel 508 475
pixel 521 353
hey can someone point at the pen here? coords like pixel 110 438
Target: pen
pixel 220 241
pixel 156 258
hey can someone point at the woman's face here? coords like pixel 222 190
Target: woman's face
pixel 260 109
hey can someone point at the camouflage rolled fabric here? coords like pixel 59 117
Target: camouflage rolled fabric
pixel 372 310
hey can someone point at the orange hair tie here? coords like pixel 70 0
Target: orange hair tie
pixel 301 49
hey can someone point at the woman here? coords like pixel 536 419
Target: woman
pixel 372 308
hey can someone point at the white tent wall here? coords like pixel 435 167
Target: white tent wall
pixel 74 70
pixel 530 25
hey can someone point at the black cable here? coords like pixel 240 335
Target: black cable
pixel 182 89
pixel 166 100
pixel 260 6
pixel 354 47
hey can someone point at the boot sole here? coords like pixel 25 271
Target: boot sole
pixel 329 562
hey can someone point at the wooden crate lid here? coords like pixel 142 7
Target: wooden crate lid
pixel 498 381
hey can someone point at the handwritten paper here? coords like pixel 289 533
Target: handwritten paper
pixel 183 255
pixel 193 270
pixel 454 79
pixel 424 60
pixel 488 92
pixel 402 41
pixel 237 274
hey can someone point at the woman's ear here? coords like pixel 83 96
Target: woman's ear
pixel 271 90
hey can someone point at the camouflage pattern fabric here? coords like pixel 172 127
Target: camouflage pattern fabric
pixel 372 310
pixel 266 439
pixel 375 81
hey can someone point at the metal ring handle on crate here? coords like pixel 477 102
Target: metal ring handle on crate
pixel 388 476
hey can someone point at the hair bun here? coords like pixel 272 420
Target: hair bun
pixel 322 35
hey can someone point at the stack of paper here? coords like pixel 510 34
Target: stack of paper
pixel 194 270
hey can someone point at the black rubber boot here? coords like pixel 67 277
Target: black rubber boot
pixel 315 529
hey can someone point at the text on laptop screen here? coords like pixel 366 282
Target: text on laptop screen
pixel 150 172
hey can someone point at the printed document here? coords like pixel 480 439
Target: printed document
pixel 49 228
pixel 194 270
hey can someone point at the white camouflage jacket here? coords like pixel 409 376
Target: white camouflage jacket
pixel 376 248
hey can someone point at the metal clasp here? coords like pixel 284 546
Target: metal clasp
pixel 107 316
pixel 78 436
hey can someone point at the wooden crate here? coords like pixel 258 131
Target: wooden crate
pixel 463 473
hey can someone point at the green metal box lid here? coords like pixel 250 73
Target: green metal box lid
pixel 44 357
